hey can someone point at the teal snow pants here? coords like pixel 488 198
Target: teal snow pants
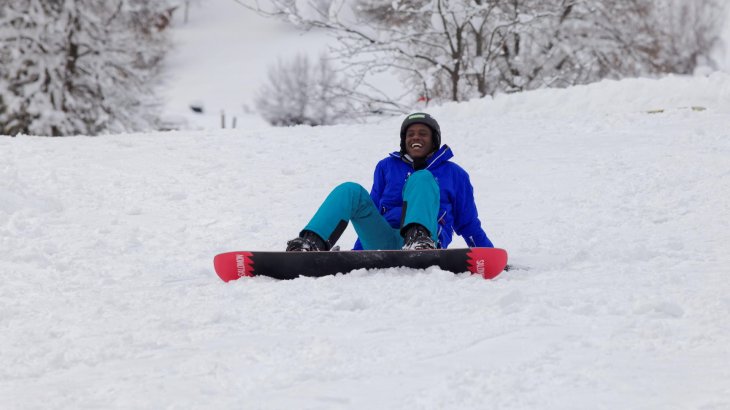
pixel 351 202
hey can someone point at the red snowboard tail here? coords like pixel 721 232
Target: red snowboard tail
pixel 233 265
pixel 487 262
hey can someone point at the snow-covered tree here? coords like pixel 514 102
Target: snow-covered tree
pixel 655 36
pixel 77 66
pixel 460 49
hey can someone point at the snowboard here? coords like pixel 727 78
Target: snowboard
pixel 486 262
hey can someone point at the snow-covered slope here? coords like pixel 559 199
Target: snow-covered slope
pixel 221 59
pixel 109 300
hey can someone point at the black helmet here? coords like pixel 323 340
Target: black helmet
pixel 420 118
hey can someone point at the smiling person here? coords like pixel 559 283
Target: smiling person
pixel 418 199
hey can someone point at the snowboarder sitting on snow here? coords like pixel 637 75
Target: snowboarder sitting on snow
pixel 419 198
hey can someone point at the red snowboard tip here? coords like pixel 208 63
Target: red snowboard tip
pixel 233 265
pixel 487 262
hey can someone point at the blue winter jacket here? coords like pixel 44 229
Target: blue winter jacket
pixel 457 213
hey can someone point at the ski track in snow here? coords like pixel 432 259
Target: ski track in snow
pixel 109 299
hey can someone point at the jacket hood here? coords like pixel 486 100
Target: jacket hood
pixel 442 155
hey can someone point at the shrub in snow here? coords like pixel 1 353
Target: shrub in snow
pixel 302 92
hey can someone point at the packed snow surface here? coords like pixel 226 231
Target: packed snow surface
pixel 614 197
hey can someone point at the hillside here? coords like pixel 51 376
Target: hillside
pixel 109 299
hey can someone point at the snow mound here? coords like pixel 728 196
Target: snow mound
pixel 608 97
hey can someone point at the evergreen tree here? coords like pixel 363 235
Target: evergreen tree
pixel 77 66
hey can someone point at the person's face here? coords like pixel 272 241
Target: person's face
pixel 419 141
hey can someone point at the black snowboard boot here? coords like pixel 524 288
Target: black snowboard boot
pixel 417 237
pixel 306 242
